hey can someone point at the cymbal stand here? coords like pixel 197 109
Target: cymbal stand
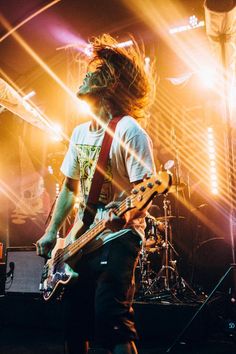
pixel 169 265
pixel 168 276
pixel 147 274
pixel 168 268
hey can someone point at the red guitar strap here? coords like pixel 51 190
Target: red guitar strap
pixel 99 174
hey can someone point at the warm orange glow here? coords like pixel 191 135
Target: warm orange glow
pixel 205 170
pixel 44 8
pixel 71 94
pixel 37 58
pixel 16 199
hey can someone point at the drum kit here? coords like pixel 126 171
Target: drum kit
pixel 157 276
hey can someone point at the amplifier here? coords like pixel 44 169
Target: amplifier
pixel 23 271
pixel 2 278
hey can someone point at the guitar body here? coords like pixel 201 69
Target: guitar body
pixel 56 273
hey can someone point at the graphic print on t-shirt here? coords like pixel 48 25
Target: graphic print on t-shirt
pixel 88 157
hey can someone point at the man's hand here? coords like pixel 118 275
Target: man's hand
pixel 45 244
pixel 63 206
pixel 114 222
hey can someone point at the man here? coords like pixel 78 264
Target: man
pixel 100 303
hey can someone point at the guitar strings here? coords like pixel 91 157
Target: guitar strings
pixel 60 256
pixel 80 241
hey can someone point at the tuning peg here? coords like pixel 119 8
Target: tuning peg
pixel 134 191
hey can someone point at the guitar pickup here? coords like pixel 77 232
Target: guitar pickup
pixel 129 204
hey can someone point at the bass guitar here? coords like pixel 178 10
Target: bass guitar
pixel 58 270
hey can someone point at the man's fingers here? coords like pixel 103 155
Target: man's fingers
pixel 38 249
pixel 112 205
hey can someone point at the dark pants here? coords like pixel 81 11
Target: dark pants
pixel 99 306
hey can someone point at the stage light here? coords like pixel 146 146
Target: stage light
pixel 50 170
pixel 57 189
pixel 147 64
pixel 212 161
pixel 29 95
pixel 124 44
pixel 211 157
pixel 84 107
pixel 210 143
pixel 207 77
pixel 213 170
pixel 193 23
pixel 56 132
pixel 211 149
pixel 215 191
pixel 88 48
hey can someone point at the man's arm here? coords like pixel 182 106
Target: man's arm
pixel 116 223
pixel 63 206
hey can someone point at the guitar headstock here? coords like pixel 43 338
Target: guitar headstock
pixel 145 191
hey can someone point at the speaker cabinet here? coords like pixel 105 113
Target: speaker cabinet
pixel 2 278
pixel 23 271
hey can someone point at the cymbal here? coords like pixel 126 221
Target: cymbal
pixel 169 217
pixel 177 187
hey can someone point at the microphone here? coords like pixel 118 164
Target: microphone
pixel 10 273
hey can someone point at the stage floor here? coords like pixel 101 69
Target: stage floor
pixel 30 326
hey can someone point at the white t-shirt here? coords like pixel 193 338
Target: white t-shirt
pixel 130 159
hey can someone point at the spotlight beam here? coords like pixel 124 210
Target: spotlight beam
pixel 44 8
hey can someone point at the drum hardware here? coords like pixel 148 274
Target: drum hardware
pixel 146 273
pixel 169 217
pixel 153 233
pixel 168 274
pixel 177 188
pixel 166 282
pixel 173 282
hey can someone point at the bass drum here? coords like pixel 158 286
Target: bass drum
pixel 212 259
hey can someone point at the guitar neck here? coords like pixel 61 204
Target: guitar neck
pixel 89 235
pixel 139 198
pixel 72 249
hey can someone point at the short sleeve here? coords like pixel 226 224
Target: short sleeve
pixel 70 164
pixel 139 157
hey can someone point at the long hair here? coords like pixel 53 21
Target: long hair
pixel 126 85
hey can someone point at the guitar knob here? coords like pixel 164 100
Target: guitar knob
pixel 135 191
